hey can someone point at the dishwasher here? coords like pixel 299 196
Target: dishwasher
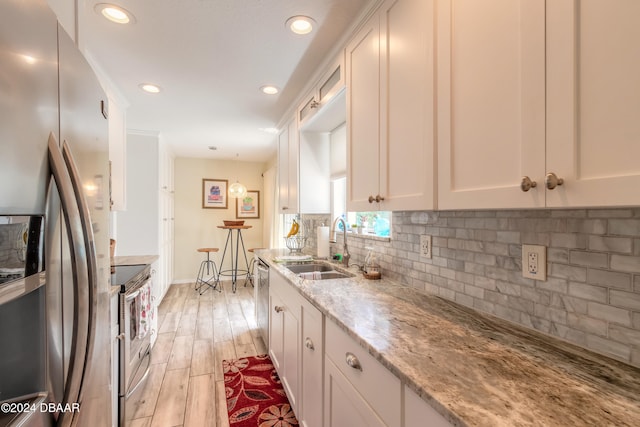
pixel 262 299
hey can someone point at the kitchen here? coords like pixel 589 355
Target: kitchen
pixel 485 196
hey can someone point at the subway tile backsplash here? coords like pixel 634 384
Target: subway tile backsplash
pixel 592 293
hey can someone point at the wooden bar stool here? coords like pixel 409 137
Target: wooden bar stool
pixel 250 270
pixel 208 274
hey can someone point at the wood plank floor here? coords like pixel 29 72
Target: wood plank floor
pixel 185 385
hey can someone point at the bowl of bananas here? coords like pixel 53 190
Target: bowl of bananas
pixel 295 239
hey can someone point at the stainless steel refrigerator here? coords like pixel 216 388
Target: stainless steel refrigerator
pixel 54 226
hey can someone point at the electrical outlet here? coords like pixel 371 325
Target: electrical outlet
pixel 425 246
pixel 534 262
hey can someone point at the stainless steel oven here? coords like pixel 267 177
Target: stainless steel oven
pixel 262 299
pixel 135 347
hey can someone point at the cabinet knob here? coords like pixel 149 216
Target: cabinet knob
pixel 314 104
pixel 527 184
pixel 353 361
pixel 309 344
pixel 278 309
pixel 284 208
pixel 552 181
pixel 371 199
pixel 379 198
pixel 376 199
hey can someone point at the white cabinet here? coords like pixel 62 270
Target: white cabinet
pixel 167 222
pixel 390 109
pixel 157 292
pixel 288 169
pixel 417 412
pixel 490 102
pixel 593 102
pixel 284 335
pixel 344 406
pixel 534 88
pixel 117 156
pixel 311 377
pixel 357 384
pixel 330 84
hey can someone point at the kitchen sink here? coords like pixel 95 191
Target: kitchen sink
pixel 318 271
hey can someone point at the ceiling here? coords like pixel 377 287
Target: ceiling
pixel 210 57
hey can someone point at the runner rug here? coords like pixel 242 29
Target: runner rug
pixel 255 396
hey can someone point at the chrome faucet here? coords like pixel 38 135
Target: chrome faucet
pixel 345 254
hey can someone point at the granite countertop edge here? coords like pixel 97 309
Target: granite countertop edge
pixel 520 344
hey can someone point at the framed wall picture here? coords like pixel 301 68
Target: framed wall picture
pixel 214 193
pixel 249 205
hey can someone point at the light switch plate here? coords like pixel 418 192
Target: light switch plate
pixel 534 262
pixel 425 246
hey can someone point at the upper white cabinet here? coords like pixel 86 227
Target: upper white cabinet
pixel 288 169
pixel 490 102
pixel 535 103
pixel 330 84
pixel 117 156
pixel 390 109
pixel 593 102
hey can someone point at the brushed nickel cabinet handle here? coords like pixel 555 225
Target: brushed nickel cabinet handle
pixel 526 184
pixel 309 344
pixel 353 361
pixel 278 309
pixel 552 181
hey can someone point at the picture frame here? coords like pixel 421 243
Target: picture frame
pixel 248 207
pixel 214 193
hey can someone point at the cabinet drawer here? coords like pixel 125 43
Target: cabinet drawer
pixel 379 387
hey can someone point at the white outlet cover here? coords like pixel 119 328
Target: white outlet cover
pixel 425 246
pixel 534 262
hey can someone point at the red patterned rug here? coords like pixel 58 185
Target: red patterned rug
pixel 255 396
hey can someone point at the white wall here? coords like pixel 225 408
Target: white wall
pixel 196 227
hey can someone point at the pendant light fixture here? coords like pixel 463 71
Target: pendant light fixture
pixel 237 190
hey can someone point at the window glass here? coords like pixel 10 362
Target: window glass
pixel 377 223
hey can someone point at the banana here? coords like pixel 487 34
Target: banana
pixel 295 227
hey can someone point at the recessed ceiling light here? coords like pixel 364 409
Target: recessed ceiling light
pixel 269 90
pixel 300 24
pixel 148 87
pixel 115 13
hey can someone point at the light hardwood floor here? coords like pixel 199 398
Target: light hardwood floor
pixel 185 385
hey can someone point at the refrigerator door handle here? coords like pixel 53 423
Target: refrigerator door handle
pixel 73 221
pixel 89 244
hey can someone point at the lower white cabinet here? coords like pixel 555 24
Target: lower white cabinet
pixel 343 404
pixel 379 388
pixel 329 378
pixel 417 412
pixel 284 335
pixel 311 377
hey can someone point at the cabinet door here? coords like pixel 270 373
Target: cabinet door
pixel 407 173
pixel 491 105
pixel 593 102
pixel 343 405
pixel 283 170
pixel 363 121
pixel 291 356
pixel 276 330
pixel 311 367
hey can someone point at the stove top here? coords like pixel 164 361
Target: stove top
pixel 121 275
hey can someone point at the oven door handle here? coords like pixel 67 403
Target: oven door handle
pixel 132 295
pixel 144 376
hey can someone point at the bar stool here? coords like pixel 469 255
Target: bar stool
pixel 212 277
pixel 250 270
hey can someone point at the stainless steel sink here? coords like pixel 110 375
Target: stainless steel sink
pixel 321 271
pixel 309 268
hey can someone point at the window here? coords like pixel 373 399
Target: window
pixel 376 223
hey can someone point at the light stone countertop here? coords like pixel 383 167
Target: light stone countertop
pixel 475 369
pixel 134 259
